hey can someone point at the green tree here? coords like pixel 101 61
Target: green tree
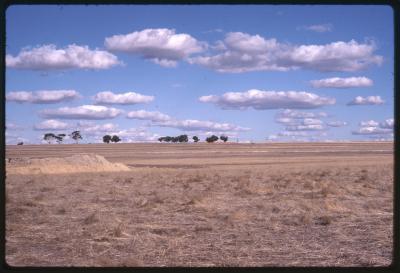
pixel 212 139
pixel 106 139
pixel 183 138
pixel 196 139
pixel 115 139
pixel 223 138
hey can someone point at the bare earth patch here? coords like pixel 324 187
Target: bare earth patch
pixel 324 210
pixel 56 165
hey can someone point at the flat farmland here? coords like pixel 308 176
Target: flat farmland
pixel 199 204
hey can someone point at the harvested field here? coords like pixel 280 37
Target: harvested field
pixel 284 204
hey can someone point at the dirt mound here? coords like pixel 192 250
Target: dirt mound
pixel 56 165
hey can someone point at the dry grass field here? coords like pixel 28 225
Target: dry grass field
pixel 221 204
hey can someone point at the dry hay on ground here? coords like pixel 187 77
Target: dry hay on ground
pixel 330 209
pixel 79 163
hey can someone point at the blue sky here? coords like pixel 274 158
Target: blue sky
pixel 254 73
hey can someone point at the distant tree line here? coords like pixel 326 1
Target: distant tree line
pixel 76 135
pixel 184 138
pixel 49 137
pixel 181 138
pixel 108 139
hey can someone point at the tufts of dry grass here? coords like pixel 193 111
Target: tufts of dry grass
pixel 278 214
pixel 92 218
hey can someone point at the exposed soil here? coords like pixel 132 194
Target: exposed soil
pixel 55 165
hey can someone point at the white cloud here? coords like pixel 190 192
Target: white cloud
pixel 289 113
pixel 148 115
pixel 370 100
pixel 136 135
pixel 372 127
pixel 293 133
pixel 82 112
pixel 42 96
pixel 51 124
pixel 286 120
pixel 342 82
pixel 91 128
pixel 311 121
pixel 388 124
pixel 303 136
pixel 336 123
pixel 372 131
pixel 48 57
pixel 13 127
pixel 298 121
pixel 310 127
pixel 108 97
pixel 261 100
pixel 15 139
pixel 230 134
pixel 369 123
pixel 163 120
pixel 321 28
pixel 242 52
pixel 162 46
pixel 198 125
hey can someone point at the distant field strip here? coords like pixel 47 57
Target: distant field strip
pixel 201 155
pixel 245 152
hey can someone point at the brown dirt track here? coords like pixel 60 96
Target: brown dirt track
pixel 221 204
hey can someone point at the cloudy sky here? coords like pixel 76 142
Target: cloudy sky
pixel 253 73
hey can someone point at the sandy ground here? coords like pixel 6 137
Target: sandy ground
pixel 309 204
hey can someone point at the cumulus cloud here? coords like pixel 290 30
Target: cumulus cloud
pixel 51 124
pixel 91 128
pixel 82 112
pixel 241 52
pixel 303 136
pixel 108 97
pixel 286 120
pixel 388 124
pixel 372 127
pixel 14 139
pixel 163 120
pixel 370 100
pixel 300 125
pixel 298 121
pixel 261 100
pixel 48 57
pixel 199 125
pixel 309 127
pixel 372 131
pixel 369 123
pixel 42 96
pixel 148 115
pixel 132 135
pixel 162 46
pixel 13 127
pixel 292 133
pixel 342 82
pixel 295 114
pixel 321 28
pixel 336 123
